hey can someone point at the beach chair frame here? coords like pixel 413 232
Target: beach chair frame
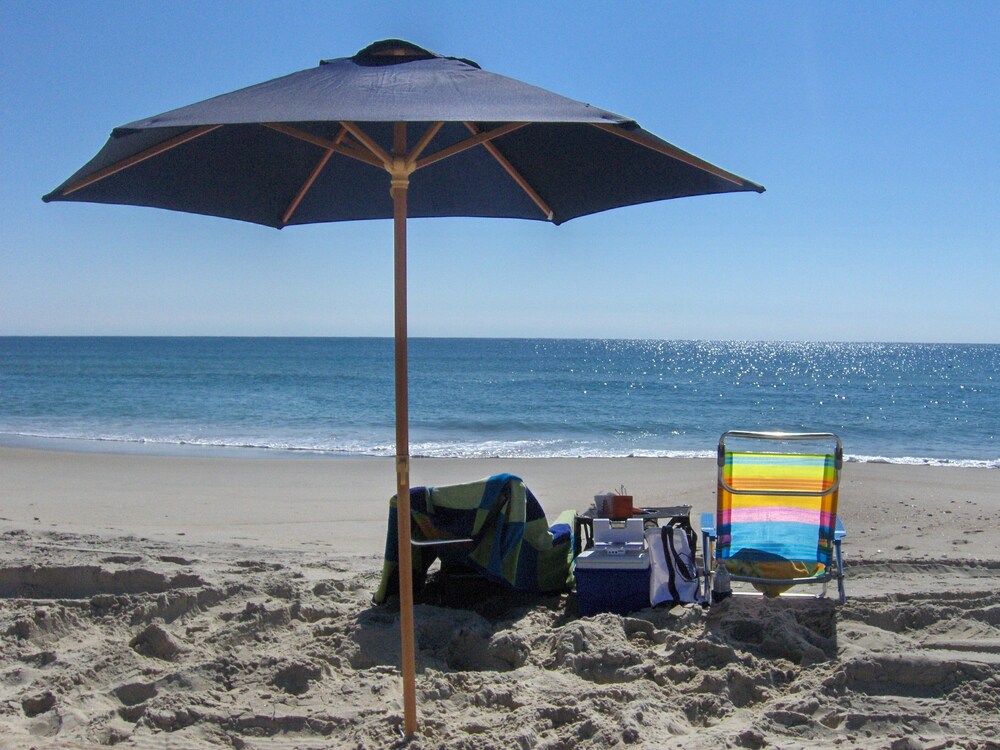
pixel 708 520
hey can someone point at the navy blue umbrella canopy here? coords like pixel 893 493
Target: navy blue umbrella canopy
pixel 393 132
pixel 311 147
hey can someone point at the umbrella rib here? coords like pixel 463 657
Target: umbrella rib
pixel 131 161
pixel 368 142
pixel 517 176
pixel 294 205
pixel 683 156
pixel 483 137
pixel 307 185
pixel 423 143
pixel 326 143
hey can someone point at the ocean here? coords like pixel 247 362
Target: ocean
pixel 898 403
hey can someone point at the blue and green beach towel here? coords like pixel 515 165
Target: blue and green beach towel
pixel 512 542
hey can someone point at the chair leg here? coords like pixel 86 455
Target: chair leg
pixel 840 573
pixel 706 565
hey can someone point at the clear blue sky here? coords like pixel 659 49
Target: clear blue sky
pixel 874 126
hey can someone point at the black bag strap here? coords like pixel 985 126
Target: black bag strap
pixel 684 563
pixel 679 563
pixel 684 523
pixel 667 537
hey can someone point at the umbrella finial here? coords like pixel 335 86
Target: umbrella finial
pixel 390 51
pixel 395 51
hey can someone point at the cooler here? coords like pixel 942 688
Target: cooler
pixel 613 576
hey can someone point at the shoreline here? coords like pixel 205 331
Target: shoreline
pixel 208 450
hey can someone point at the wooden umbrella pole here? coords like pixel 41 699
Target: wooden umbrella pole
pixel 400 174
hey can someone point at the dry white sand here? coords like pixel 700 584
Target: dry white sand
pixel 180 602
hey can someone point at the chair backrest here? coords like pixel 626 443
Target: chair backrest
pixel 775 505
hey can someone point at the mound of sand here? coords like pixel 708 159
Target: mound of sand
pixel 139 643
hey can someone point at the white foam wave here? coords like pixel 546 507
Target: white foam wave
pixel 961 463
pixel 493 449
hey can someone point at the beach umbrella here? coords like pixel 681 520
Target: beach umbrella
pixel 394 131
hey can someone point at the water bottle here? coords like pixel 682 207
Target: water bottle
pixel 721 587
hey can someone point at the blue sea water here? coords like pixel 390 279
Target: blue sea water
pixel 905 403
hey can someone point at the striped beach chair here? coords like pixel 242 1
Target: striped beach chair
pixel 776 524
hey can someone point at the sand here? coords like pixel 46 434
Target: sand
pixel 196 602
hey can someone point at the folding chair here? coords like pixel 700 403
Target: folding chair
pixel 776 524
pixel 494 528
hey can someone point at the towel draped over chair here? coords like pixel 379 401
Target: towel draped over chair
pixel 507 537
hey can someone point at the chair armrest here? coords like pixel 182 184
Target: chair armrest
pixel 840 532
pixel 708 524
pixel 441 542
